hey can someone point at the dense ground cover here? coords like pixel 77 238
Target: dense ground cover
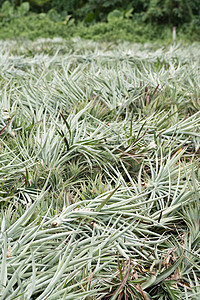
pixel 99 176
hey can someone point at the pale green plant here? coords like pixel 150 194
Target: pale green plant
pixel 99 160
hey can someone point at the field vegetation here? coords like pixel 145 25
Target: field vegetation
pixel 99 170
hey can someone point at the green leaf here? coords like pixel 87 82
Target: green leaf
pixel 107 198
pixel 161 277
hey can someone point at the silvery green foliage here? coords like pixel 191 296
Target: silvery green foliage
pixel 99 170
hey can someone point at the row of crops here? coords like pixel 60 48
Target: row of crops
pixel 99 170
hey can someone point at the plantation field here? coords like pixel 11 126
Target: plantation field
pixel 99 170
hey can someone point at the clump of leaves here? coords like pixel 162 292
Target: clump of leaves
pixel 99 171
